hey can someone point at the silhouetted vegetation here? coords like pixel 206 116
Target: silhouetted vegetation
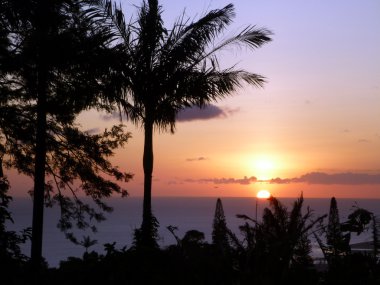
pixel 278 246
pixel 167 70
pixel 274 250
pixel 59 58
pixel 346 266
pixel 220 231
pixel 12 259
pixel 52 68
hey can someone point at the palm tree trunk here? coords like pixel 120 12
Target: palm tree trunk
pixel 146 227
pixel 148 170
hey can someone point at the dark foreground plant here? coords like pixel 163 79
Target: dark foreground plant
pixel 163 71
pixel 194 261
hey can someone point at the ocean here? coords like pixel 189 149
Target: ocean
pixel 186 213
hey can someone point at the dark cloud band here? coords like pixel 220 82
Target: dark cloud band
pixel 201 158
pixel 207 113
pixel 347 178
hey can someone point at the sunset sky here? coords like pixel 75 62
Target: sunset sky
pixel 315 125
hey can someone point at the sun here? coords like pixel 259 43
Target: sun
pixel 263 194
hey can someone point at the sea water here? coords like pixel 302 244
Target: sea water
pixel 186 213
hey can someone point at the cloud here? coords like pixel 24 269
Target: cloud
pixel 175 182
pixel 279 180
pixel 93 131
pixel 346 178
pixel 206 113
pixel 186 115
pixel 201 158
pixel 243 181
pixel 112 116
pixel 363 141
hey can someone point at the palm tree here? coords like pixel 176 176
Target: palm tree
pixel 87 242
pixel 166 71
pixel 280 241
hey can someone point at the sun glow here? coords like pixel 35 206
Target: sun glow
pixel 264 164
pixel 263 168
pixel 263 194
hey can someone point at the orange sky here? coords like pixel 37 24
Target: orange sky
pixel 319 111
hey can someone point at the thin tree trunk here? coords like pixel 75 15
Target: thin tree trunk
pixel 148 170
pixel 39 174
pixel 146 227
pixel 40 150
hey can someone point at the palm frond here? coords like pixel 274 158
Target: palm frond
pixel 170 70
pixel 187 42
pixel 110 16
pixel 149 31
pixel 250 36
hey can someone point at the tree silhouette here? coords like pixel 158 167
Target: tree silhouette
pixel 10 241
pixel 285 233
pixel 193 237
pixel 54 67
pixel 87 242
pixel 338 235
pixel 12 259
pixel 167 70
pixel 279 243
pixel 357 221
pixel 220 232
pixel 375 234
pixel 335 240
pixel 172 230
pixel 345 266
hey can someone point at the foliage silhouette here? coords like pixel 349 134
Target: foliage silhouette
pixel 195 261
pixel 86 242
pixel 172 230
pixel 10 241
pixel 139 239
pixel 338 235
pixel 220 231
pixel 375 234
pixel 344 265
pixel 167 70
pixel 338 244
pixel 278 244
pixel 52 68
pixel 357 221
pixel 12 259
